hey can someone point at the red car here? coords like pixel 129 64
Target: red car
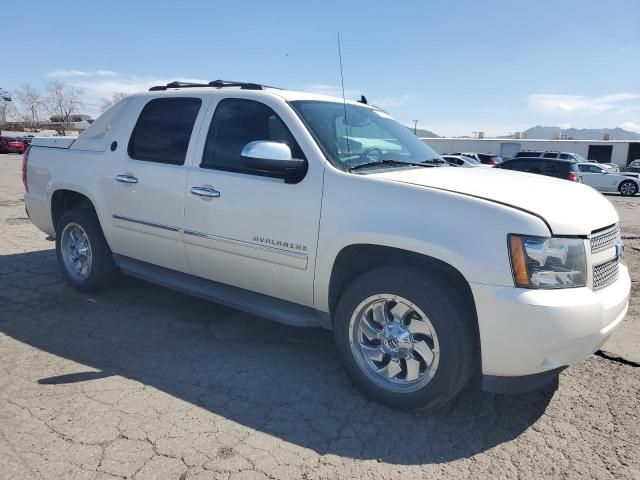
pixel 11 145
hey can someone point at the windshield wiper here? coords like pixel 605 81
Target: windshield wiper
pixel 387 162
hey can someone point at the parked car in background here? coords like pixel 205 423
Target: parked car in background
pixel 26 139
pixel 565 169
pixel 564 156
pixel 486 158
pixel 463 161
pixel 634 166
pixel 599 178
pixel 11 145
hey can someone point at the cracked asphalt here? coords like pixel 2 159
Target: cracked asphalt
pixel 141 382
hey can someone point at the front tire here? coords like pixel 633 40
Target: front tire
pixel 84 256
pixel 405 338
pixel 628 188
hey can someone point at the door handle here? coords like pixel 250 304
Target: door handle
pixel 205 192
pixel 126 179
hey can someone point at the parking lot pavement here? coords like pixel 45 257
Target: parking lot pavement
pixel 142 382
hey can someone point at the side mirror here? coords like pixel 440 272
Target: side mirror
pixel 273 159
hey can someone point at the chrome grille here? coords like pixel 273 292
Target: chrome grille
pixel 605 274
pixel 604 239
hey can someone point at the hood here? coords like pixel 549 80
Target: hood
pixel 569 208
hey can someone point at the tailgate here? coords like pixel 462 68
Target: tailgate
pixel 53 142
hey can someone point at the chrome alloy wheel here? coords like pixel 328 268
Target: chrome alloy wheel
pixel 394 343
pixel 76 251
pixel 627 188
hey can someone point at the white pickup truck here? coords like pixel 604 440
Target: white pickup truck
pixel 312 211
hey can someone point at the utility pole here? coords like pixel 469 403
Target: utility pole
pixel 5 98
pixel 415 126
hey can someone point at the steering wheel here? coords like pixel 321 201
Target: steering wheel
pixel 372 153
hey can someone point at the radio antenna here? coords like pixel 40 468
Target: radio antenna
pixel 344 100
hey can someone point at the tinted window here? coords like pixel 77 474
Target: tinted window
pixel 565 156
pixel 163 130
pixel 520 165
pixel 236 123
pixel 527 154
pixel 545 167
pixel 550 155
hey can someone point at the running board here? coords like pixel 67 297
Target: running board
pixel 245 300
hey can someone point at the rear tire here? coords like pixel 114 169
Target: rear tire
pixel 84 257
pixel 628 188
pixel 405 339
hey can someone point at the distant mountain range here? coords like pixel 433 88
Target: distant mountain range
pixel 424 133
pixel 553 133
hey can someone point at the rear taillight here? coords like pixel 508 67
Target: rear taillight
pixel 573 176
pixel 25 162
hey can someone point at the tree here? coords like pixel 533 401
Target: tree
pixel 62 101
pixel 31 104
pixel 107 103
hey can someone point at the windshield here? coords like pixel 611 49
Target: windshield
pixel 580 158
pixel 368 135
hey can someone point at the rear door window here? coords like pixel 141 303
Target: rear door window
pixel 538 166
pixel 519 165
pixel 163 130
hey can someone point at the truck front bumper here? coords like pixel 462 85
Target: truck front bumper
pixel 528 336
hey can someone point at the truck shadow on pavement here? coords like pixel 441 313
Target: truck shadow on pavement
pixel 282 381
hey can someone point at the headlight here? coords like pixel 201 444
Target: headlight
pixel 543 262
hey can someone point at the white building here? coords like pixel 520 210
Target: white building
pixel 620 152
pixel 80 122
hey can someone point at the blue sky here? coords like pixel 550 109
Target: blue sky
pixel 458 66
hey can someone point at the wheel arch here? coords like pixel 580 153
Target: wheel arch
pixel 635 181
pixel 356 259
pixel 65 199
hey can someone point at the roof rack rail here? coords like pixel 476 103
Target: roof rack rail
pixel 212 84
